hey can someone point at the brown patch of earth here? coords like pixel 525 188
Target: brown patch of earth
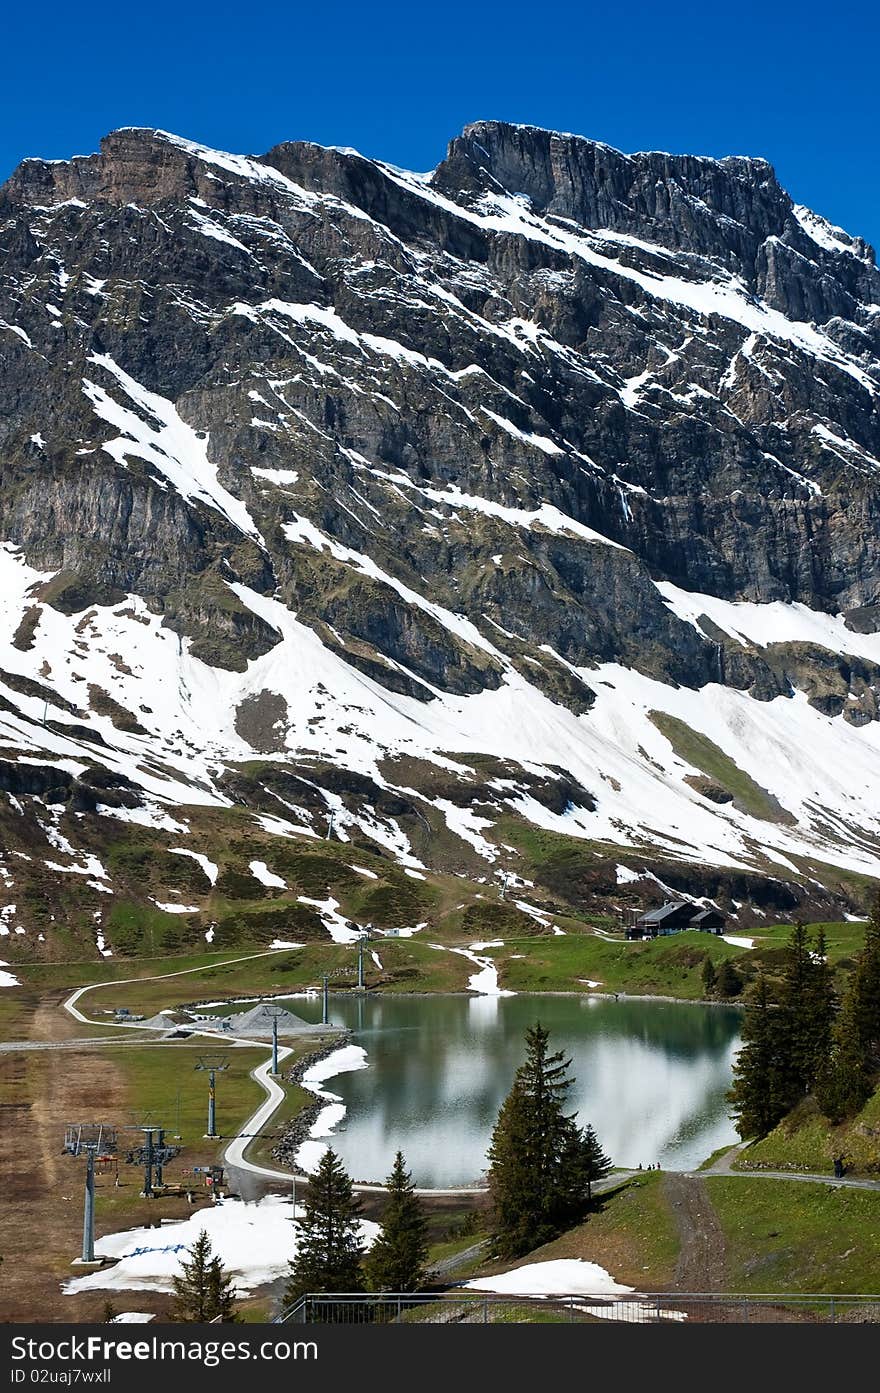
pixel 41 1092
pixel 701 1262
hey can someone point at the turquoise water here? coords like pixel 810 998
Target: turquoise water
pixel 650 1076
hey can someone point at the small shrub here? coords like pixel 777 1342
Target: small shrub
pixel 238 885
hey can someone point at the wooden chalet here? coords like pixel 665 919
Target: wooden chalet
pixel 675 917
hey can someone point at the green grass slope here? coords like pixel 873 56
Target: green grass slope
pixel 807 1141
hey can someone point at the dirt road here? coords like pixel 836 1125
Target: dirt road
pixel 701 1261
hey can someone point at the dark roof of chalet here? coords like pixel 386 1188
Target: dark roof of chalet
pixel 657 916
pixel 708 913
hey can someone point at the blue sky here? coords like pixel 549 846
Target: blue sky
pixel 794 82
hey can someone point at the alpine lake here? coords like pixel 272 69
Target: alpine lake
pixel 651 1077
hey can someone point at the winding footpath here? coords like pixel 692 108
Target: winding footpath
pixel 233 1154
pixel 724 1166
pixel 71 1006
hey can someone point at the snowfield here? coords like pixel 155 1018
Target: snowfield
pixel 824 772
pixel 484 982
pixel 563 1277
pixel 253 1241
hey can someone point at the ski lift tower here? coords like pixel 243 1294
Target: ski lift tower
pixel 89 1139
pixel 365 937
pixel 325 980
pixel 153 1154
pixel 212 1064
pixel 275 1013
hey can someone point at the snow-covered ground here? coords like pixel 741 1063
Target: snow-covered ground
pixel 253 1241
pixel 822 770
pixel 6 978
pixel 337 926
pixel 567 1277
pixel 486 980
pixel 776 622
pixel 261 872
pixel 173 448
pixel 562 1277
pixel 211 869
pixel 341 1061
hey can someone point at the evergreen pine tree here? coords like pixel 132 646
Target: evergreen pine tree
pixel 516 1207
pixel 755 1095
pixel 202 1291
pixel 797 1005
pixel 728 982
pixel 539 1164
pixel 845 1084
pixel 850 1077
pixel 221 1294
pixel 866 992
pixel 595 1163
pixel 329 1247
pixel 398 1258
pixel 820 1009
pixel 571 1187
pixel 709 975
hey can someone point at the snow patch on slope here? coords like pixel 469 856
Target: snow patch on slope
pixel 261 872
pixel 825 234
pixel 6 978
pixel 210 868
pixel 155 432
pixel 777 621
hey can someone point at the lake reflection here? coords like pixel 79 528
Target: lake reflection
pixel 650 1076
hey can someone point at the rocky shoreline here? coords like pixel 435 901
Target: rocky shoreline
pixel 298 1128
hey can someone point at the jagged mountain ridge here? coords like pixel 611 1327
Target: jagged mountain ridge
pixel 558 457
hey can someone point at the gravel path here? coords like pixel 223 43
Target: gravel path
pixel 724 1166
pixel 701 1261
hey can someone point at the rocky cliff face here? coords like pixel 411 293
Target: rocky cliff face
pixel 557 459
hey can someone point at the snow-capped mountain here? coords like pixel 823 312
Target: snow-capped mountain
pixel 540 490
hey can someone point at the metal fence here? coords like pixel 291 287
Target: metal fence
pixel 637 1308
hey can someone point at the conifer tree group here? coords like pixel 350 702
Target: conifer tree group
pixel 542 1166
pixel 796 1042
pixel 728 982
pixel 331 1254
pixel 853 1069
pixel 722 982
